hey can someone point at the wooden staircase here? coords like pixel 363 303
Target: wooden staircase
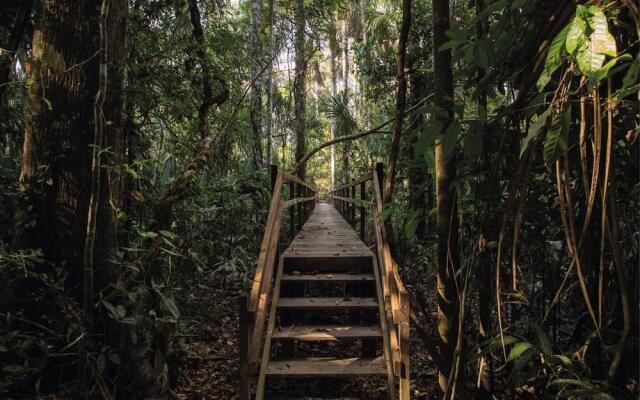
pixel 328 289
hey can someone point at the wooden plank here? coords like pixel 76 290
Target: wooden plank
pixel 267 341
pixel 327 333
pixel 327 368
pixel 328 277
pixel 327 303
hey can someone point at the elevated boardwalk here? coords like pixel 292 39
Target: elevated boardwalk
pixel 336 308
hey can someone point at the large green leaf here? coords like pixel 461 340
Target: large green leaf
pixel 602 40
pixel 577 35
pixel 518 349
pixel 555 143
pixel 554 57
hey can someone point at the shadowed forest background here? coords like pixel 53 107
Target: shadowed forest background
pixel 136 139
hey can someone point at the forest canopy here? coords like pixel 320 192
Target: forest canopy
pixel 140 144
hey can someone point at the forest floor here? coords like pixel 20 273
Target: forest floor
pixel 207 351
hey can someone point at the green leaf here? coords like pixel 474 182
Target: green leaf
pixel 518 349
pixel 577 35
pixel 457 34
pixel 534 130
pixel 451 44
pixel 602 40
pixel 554 57
pixel 589 61
pixel 543 339
pixel 113 311
pixel 170 304
pixel 555 143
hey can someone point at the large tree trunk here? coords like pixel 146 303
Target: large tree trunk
pixel 300 88
pixel 447 216
pixel 56 161
pixel 256 86
pixel 487 192
pixel 401 92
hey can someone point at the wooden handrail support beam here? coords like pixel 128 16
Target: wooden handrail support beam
pixel 293 202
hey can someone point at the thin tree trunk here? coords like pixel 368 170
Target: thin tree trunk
pixel 401 83
pixel 333 48
pixel 346 147
pixel 300 87
pixel 256 87
pixel 447 213
pixel 208 99
pixel 271 85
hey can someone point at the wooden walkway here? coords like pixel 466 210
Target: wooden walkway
pixel 337 308
pixel 328 252
pixel 327 234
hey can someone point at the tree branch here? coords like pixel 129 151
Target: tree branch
pixel 377 129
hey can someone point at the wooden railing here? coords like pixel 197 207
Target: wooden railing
pixel 396 299
pixel 253 308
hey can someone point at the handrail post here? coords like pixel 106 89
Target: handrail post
pixel 299 191
pixel 380 173
pixel 292 212
pixel 244 378
pixel 353 206
pixel 363 197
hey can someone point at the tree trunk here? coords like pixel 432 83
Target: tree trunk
pixel 401 92
pixel 333 48
pixel 447 213
pixel 56 161
pixel 487 191
pixel 346 147
pixel 271 86
pixel 300 87
pixel 256 86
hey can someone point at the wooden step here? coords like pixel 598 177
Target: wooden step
pixel 329 303
pixel 327 277
pixel 327 368
pixel 312 333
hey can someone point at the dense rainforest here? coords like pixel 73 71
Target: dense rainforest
pixel 136 145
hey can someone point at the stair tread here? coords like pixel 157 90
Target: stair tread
pixel 327 303
pixel 327 367
pixel 327 332
pixel 329 277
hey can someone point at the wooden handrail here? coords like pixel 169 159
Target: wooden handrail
pixel 256 303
